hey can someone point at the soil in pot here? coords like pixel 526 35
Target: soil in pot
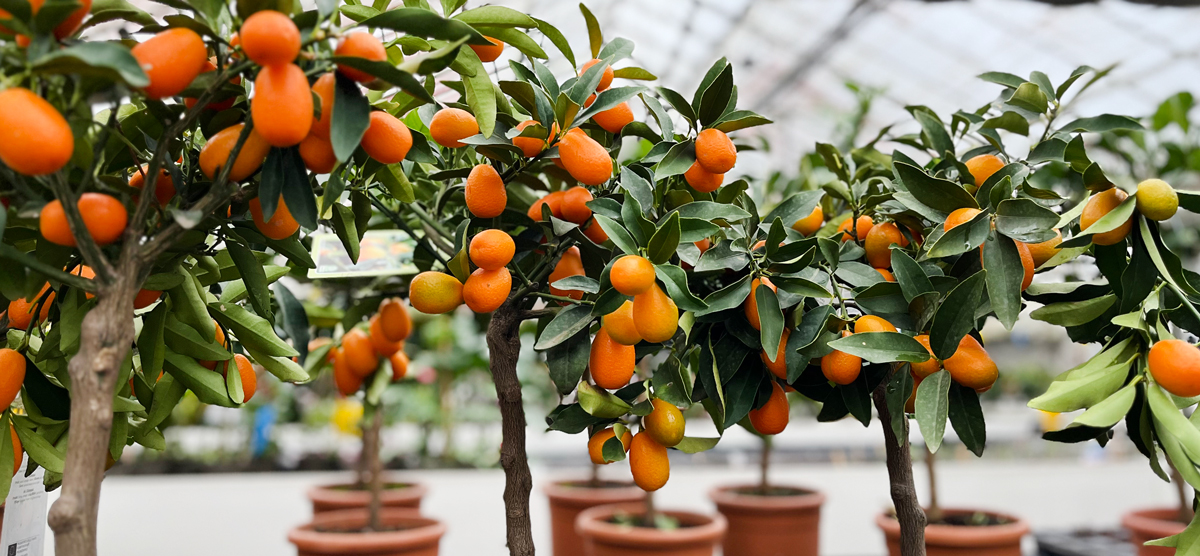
pixel 343 533
pixel 569 498
pixel 347 496
pixel 1085 542
pixel 619 530
pixel 782 521
pixel 962 532
pixel 1154 523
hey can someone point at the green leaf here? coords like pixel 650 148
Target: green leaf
pixel 665 240
pixel 956 316
pixel 282 367
pixel 1001 78
pixel 770 319
pixel 208 386
pixel 595 37
pixel 1009 121
pixel 567 361
pixel 715 97
pixel 899 388
pixel 1074 313
pixel 496 15
pixel 108 61
pixel 295 320
pixel 556 37
pixel 568 322
pixel 1102 123
pixel 1005 273
pixel 349 119
pixel 882 347
pixel 911 277
pixel 618 234
pixel 480 93
pixel 1030 97
pixel 961 238
pixel 679 103
pixel 967 418
pixel 1111 410
pixel 933 130
pixel 253 276
pixel 39 449
pixel 427 24
pixel 677 161
pixel 933 406
pixel 675 281
pixel 184 340
pixel 345 228
pixel 727 298
pixel 251 330
pixel 1025 220
pixel 708 210
pixel 598 402
pixel 937 193
pixel 640 74
pixel 695 444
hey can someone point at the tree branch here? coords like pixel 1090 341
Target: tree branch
pixel 900 475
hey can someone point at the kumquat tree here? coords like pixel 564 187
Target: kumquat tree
pixel 535 193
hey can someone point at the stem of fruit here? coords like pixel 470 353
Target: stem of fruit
pixel 504 344
pixel 105 338
pixel 934 513
pixel 374 466
pixel 900 475
pixel 764 466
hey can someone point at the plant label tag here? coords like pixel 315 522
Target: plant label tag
pixel 24 526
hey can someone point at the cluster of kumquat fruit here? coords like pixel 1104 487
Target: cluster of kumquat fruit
pixel 358 353
pixel 647 450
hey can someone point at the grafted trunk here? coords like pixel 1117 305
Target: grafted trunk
pixel 373 464
pixel 504 345
pixel 900 475
pixel 106 336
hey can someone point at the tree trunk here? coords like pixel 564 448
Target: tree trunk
pixel 934 513
pixel 900 474
pixel 106 336
pixel 374 463
pixel 504 345
pixel 764 466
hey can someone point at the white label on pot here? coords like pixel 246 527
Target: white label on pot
pixel 24 515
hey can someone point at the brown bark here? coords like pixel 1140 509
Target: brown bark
pixel 105 339
pixel 900 475
pixel 504 345
pixel 373 464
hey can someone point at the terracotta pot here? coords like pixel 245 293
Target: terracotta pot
pixel 413 535
pixel 1150 524
pixel 778 525
pixel 961 540
pixel 697 535
pixel 327 498
pixel 569 498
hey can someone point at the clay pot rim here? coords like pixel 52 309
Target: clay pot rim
pixel 962 535
pixel 428 530
pixel 337 493
pixel 593 522
pixel 1152 521
pixel 725 497
pixel 585 497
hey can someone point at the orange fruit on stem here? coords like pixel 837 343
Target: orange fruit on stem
pixel 594 232
pixel 982 167
pixel 614 119
pixel 887 274
pixel 863 227
pixel 971 366
pixel 1099 205
pixel 585 159
pixel 606 77
pixel 270 38
pixel 773 416
pixel 492 249
pixel 434 293
pixel 879 241
pixel 171 59
pixel 324 87
pixel 380 343
pixel 211 65
pixel 841 367
pixel 360 356
pixel 811 223
pixel 485 192
pixel 620 325
pixel 35 138
pixel 146 298
pixel 570 264
pixel 530 146
pixel 399 362
pixel 574 205
pixel 246 372
pixel 394 320
pixel 751 303
pixel 777 364
pixel 655 315
pixel 12 376
pixel 1046 250
pixel 632 274
pixel 610 364
pixel 360 44
pixel 488 53
pixel 664 423
pixel 486 290
pixel 164 187
pixel 596 444
pixel 346 381
pixel 280 226
pixel 872 323
pixel 649 462
pixel 451 125
pixel 926 368
pixel 1175 365
pixel 215 153
pixel 104 217
pixel 387 139
pixel 219 339
pixel 552 200
pixel 715 151
pixel 702 180
pixel 318 154
pixel 959 217
pixel 282 105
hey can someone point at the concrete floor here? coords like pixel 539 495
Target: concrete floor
pixel 236 514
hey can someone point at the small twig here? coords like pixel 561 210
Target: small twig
pixel 395 218
pixel 75 281
pixel 561 298
pixel 537 313
pixel 87 244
